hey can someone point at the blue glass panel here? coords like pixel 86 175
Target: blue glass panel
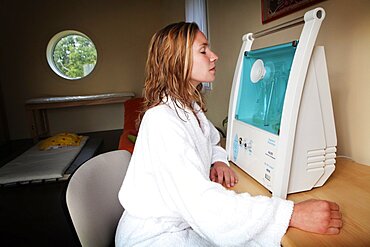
pixel 260 103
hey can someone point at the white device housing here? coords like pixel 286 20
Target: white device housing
pixel 303 155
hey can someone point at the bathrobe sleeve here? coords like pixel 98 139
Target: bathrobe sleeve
pixel 218 153
pixel 219 215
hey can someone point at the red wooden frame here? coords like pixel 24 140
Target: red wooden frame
pixel 274 9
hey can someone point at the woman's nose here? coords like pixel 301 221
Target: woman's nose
pixel 213 57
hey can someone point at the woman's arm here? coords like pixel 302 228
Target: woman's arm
pixel 181 179
pixel 220 171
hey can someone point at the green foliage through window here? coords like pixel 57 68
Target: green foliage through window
pixel 74 56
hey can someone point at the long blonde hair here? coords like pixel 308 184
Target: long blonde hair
pixel 168 68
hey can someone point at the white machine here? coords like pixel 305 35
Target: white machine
pixel 281 128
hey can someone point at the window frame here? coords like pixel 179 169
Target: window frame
pixel 50 52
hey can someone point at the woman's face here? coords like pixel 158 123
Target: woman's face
pixel 204 61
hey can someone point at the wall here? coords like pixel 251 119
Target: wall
pixel 120 29
pixel 4 135
pixel 345 33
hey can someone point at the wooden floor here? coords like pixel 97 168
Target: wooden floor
pixel 36 214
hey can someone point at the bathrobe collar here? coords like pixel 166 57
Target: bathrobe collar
pixel 186 114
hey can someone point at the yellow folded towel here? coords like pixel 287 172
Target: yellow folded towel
pixel 60 140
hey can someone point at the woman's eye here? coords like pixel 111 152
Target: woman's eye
pixel 203 52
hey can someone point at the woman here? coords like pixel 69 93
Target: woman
pixel 172 192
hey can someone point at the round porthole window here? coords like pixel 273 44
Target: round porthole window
pixel 71 54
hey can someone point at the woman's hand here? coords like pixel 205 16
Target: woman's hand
pixel 317 216
pixel 222 173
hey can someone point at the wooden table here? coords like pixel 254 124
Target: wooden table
pixel 349 186
pixel 37 108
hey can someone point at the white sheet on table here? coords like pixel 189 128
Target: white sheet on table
pixel 38 165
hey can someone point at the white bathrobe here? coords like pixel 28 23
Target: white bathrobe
pixel 169 199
